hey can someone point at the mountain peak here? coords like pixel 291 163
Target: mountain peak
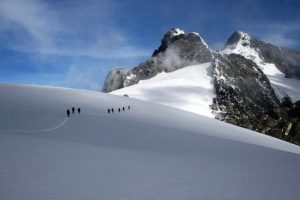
pixel 238 37
pixel 174 32
pixel 176 38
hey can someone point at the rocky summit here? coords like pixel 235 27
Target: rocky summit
pixel 256 84
pixel 176 51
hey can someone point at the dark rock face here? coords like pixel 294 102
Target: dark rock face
pixel 118 78
pixel 177 50
pixel 190 47
pixel 244 97
pixel 169 37
pixel 238 83
pixel 291 121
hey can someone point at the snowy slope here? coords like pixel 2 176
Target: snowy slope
pixel 190 88
pixel 281 85
pixel 149 152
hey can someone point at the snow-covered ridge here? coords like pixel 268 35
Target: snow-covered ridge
pixel 281 85
pixel 201 39
pixel 190 88
pixel 203 42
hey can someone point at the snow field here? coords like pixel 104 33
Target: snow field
pixel 149 152
pixel 190 89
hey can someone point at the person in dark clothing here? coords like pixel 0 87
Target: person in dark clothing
pixel 68 112
pixel 108 111
pixel 112 110
pixel 73 110
pixel 123 108
pixel 78 110
pixel 128 107
pixel 119 110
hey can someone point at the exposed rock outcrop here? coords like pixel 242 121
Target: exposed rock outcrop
pixel 238 83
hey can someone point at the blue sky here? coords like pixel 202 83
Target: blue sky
pixel 74 43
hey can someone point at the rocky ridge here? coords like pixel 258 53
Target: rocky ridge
pixel 286 60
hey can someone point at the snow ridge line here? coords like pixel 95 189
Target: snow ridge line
pixel 38 131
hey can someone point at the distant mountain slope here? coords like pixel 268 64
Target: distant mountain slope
pixel 150 151
pixel 281 65
pixel 177 50
pixel 256 85
pixel 286 60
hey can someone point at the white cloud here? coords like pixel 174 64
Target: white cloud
pixel 279 39
pixel 279 34
pixel 87 79
pixel 217 45
pixel 32 18
pixel 40 29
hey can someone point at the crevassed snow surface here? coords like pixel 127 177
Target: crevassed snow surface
pixel 281 85
pixel 190 88
pixel 148 152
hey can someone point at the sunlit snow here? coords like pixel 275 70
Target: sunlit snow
pixel 148 152
pixel 190 88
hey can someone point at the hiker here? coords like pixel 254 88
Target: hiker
pixel 123 108
pixel 128 107
pixel 108 111
pixel 119 110
pixel 73 110
pixel 112 110
pixel 68 112
pixel 78 110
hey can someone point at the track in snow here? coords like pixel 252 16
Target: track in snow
pixel 59 125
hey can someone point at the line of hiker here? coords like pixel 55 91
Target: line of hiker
pixel 73 111
pixel 111 110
